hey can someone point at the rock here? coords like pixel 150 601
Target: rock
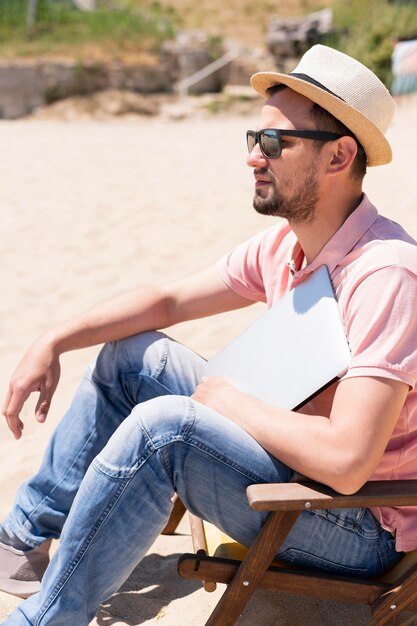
pixel 102 105
pixel 291 37
pixel 27 85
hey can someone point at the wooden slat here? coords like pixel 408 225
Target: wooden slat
pixel 176 516
pixel 200 547
pixel 252 569
pixel 298 496
pixel 197 534
pixel 397 598
pixel 293 581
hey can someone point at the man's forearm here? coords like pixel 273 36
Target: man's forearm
pixel 137 311
pixel 149 308
pixel 342 450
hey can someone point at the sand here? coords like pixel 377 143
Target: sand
pixel 91 209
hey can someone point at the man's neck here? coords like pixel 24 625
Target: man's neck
pixel 328 218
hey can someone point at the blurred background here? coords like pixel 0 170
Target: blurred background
pixel 51 50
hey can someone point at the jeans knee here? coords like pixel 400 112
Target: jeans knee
pixel 151 425
pixel 138 353
pixel 165 419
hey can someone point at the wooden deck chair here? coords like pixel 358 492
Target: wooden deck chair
pixel 176 516
pixel 246 570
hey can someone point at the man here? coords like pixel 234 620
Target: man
pixel 143 425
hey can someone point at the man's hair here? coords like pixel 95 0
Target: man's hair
pixel 327 122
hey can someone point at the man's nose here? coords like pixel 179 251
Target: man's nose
pixel 255 158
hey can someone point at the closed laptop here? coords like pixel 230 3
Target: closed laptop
pixel 294 350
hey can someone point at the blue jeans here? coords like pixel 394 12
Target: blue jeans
pixel 131 438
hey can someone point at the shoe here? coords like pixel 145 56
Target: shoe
pixel 21 572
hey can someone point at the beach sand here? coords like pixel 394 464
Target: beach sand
pixel 91 209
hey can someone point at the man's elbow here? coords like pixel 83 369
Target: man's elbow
pixel 350 477
pixel 346 485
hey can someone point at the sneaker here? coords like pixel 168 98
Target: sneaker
pixel 21 572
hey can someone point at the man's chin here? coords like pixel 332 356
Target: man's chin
pixel 263 210
pixel 263 206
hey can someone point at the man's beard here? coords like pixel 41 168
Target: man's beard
pixel 297 207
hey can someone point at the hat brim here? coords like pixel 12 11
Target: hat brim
pixel 376 146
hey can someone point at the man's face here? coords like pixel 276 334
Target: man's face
pixel 287 186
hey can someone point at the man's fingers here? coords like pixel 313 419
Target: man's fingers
pixel 15 399
pixel 16 426
pixel 6 402
pixel 42 406
pixel 39 372
pixel 19 395
pixel 45 399
pixel 14 422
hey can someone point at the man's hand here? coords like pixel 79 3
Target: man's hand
pixel 39 370
pixel 219 393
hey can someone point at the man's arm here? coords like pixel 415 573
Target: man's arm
pixel 149 308
pixel 342 450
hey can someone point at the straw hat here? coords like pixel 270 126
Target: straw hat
pixel 345 88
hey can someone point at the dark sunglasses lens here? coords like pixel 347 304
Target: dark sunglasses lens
pixel 251 139
pixel 270 144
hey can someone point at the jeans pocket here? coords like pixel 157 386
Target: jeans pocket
pixel 141 387
pixel 350 519
pixel 388 555
pixel 339 541
pixel 313 561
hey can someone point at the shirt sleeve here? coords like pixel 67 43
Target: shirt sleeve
pixel 381 324
pixel 241 269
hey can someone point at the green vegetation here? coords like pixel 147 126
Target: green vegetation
pixel 60 27
pixel 368 30
pixel 126 29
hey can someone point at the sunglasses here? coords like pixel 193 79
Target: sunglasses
pixel 270 143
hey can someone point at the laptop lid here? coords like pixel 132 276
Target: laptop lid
pixel 293 351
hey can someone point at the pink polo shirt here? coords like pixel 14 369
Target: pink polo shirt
pixel 372 262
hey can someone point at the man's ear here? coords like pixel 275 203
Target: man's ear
pixel 342 153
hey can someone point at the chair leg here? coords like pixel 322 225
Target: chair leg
pixel 250 572
pixel 397 620
pixel 390 604
pixel 405 621
pixel 176 516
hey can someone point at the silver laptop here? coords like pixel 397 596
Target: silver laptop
pixel 293 351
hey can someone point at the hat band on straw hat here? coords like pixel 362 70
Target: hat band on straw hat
pixel 316 83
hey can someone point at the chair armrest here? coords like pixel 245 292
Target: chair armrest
pixel 310 495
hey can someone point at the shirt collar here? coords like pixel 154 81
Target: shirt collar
pixel 342 242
